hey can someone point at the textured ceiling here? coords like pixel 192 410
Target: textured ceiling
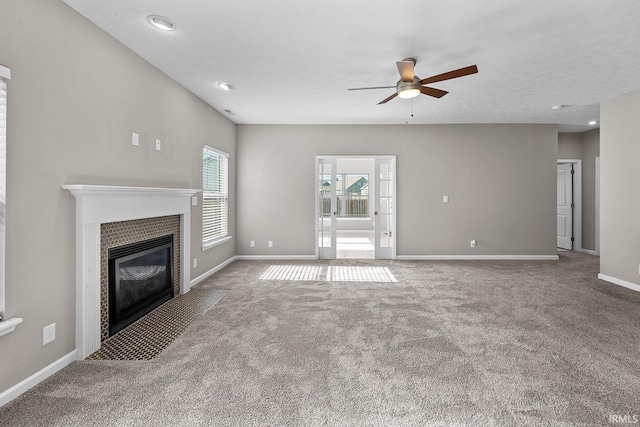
pixel 292 61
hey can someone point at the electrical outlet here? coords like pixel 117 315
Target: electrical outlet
pixel 158 145
pixel 252 243
pixel 270 243
pixel 135 139
pixel 473 243
pixel 195 262
pixel 445 199
pixel 48 334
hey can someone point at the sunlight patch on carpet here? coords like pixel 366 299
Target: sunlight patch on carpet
pixel 293 272
pixel 359 274
pixel 328 274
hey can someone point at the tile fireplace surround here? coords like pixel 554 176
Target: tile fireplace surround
pixel 114 234
pixel 99 204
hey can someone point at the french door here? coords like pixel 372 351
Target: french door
pixel 383 214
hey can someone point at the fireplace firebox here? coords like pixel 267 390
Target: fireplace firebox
pixel 140 279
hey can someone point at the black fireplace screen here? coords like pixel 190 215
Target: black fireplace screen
pixel 140 279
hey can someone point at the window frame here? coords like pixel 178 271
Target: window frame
pixel 210 242
pixel 6 325
pixel 5 74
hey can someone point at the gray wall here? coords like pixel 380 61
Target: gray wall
pixel 619 184
pixel 590 150
pixel 74 99
pixel 569 146
pixel 500 180
pixel 586 147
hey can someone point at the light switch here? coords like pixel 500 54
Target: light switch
pixel 158 145
pixel 194 200
pixel 445 199
pixel 135 139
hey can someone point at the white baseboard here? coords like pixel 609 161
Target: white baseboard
pixel 588 251
pixel 215 269
pixel 276 257
pixel 44 373
pixel 619 282
pixel 477 257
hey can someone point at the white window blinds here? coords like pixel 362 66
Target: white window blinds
pixel 215 195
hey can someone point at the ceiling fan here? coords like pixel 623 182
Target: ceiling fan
pixel 410 85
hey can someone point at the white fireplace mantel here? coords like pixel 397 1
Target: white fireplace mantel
pixel 98 204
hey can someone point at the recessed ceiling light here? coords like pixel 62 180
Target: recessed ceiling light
pixel 593 123
pixel 161 22
pixel 557 107
pixel 225 86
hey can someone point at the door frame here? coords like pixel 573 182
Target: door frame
pixel 577 201
pixel 393 189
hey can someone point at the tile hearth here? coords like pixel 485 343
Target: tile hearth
pixel 146 338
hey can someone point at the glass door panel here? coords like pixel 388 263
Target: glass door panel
pixel 384 212
pixel 327 208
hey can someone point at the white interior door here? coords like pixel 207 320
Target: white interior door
pixel 384 215
pixel 565 206
pixel 327 208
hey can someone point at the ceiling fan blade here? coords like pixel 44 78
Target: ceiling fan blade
pixel 472 69
pixel 374 87
pixel 431 91
pixel 406 69
pixel 388 99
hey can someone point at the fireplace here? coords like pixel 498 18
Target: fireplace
pixel 100 205
pixel 140 279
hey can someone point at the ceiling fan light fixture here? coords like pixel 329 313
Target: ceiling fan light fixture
pixel 161 22
pixel 408 93
pixel 408 90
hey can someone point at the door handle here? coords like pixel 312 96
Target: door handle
pixel 335 213
pixel 375 213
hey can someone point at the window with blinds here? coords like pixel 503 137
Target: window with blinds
pixel 215 196
pixel 3 182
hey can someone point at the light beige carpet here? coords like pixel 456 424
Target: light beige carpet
pixel 449 343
